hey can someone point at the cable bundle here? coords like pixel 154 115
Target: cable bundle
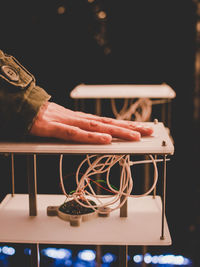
pixel 141 109
pixel 99 165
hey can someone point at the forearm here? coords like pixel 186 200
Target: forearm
pixel 20 98
pixel 21 113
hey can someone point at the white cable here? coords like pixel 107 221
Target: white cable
pixel 103 164
pixel 141 109
pixel 123 109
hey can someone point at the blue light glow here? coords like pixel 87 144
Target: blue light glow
pixel 167 259
pixel 68 262
pixel 79 264
pixel 55 253
pixel 10 251
pixel 87 255
pixel 187 261
pixel 162 259
pixel 179 260
pixel 173 259
pixel 138 258
pixel 147 258
pixel 155 259
pixel 27 251
pixel 108 258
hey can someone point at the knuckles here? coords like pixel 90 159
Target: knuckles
pixel 93 124
pixel 106 120
pixel 71 132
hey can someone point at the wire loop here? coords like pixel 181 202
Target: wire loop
pixel 103 164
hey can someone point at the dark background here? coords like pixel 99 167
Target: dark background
pixel 139 42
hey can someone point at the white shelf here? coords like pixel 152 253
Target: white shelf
pixel 94 91
pixel 141 227
pixel 147 145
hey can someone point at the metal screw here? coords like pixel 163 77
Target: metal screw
pixel 164 143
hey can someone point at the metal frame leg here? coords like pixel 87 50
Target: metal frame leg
pixel 123 250
pixel 32 184
pixel 123 256
pixel 13 174
pixel 98 255
pixel 154 191
pixel 162 237
pixel 98 107
pixel 169 110
pixel 98 247
pixel 35 257
pixel 163 113
pixel 144 251
pixel 76 104
pixel 146 175
pixel 82 104
pixel 124 208
pixel 32 189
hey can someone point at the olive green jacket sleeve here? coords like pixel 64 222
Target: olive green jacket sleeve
pixel 20 98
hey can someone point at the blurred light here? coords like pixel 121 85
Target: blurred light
pixel 79 264
pixel 108 258
pixel 147 258
pixel 55 253
pixel 101 14
pixel 155 259
pixel 162 259
pixel 107 50
pixel 187 261
pixel 8 250
pixel 27 251
pixel 168 259
pixel 171 259
pixel 68 262
pixel 87 255
pixel 61 10
pixel 90 1
pixel 179 260
pixel 198 26
pixel 138 258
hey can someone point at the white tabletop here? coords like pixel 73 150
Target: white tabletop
pixel 123 91
pixel 147 145
pixel 141 227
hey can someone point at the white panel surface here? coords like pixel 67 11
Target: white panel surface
pixel 147 145
pixel 141 227
pixel 123 91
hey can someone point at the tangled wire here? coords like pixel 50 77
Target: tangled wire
pixel 99 164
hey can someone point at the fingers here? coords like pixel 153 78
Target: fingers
pixel 144 130
pixel 97 126
pixel 71 133
pixel 58 122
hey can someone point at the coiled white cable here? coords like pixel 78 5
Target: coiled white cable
pixel 140 110
pixel 103 164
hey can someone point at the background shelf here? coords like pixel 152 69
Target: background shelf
pixel 123 91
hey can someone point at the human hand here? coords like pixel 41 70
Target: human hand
pixel 56 121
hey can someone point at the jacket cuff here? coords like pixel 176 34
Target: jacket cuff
pixel 31 106
pixel 20 98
